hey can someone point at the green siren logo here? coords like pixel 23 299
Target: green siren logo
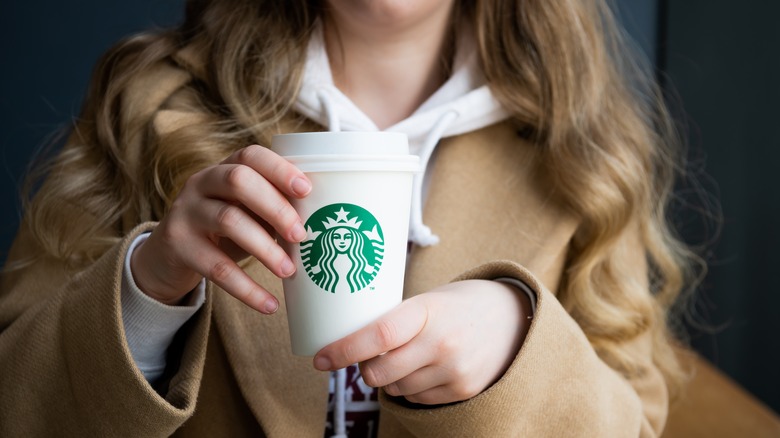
pixel 344 248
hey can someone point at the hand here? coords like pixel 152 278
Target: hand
pixel 223 214
pixel 443 346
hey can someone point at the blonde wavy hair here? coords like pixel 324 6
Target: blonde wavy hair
pixel 559 66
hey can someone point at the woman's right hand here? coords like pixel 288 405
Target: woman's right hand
pixel 223 214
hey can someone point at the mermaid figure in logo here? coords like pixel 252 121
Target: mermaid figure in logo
pixel 343 265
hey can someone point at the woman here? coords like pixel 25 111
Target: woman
pixel 538 307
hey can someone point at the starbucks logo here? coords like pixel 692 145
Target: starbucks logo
pixel 344 248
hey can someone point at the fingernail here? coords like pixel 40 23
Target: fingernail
pixel 287 267
pixel 321 363
pixel 271 306
pixel 298 233
pixel 300 186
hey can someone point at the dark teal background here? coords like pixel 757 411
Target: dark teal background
pixel 723 59
pixel 719 59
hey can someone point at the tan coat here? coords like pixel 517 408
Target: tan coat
pixel 65 368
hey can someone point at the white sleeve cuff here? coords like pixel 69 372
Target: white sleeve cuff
pixel 149 324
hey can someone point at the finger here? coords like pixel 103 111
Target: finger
pixel 240 183
pixel 387 333
pixel 215 266
pixel 438 395
pixel 398 364
pixel 232 222
pixel 235 252
pixel 417 382
pixel 280 172
pixel 452 388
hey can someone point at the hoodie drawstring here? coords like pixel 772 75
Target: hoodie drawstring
pixel 339 410
pixel 420 233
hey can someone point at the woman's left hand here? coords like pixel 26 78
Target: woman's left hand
pixel 444 346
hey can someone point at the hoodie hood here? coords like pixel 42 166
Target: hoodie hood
pixel 464 103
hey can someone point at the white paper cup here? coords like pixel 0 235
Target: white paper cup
pixel 350 269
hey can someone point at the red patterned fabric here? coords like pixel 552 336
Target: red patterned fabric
pixel 362 406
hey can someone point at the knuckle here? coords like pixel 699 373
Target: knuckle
pixel 280 169
pixel 177 205
pixel 220 271
pixel 372 375
pixel 448 346
pixel 272 252
pixel 464 390
pixel 463 384
pixel 393 389
pixel 386 333
pixel 348 353
pixel 236 175
pixel 277 207
pixel 283 212
pixel 247 154
pixel 458 392
pixel 459 372
pixel 251 296
pixel 422 399
pixel 170 236
pixel 229 216
pixel 192 184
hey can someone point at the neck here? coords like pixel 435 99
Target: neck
pixel 388 69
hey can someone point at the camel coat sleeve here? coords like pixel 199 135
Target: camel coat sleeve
pixel 556 386
pixel 54 378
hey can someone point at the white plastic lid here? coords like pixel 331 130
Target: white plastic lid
pixel 340 143
pixel 347 151
pixel 356 163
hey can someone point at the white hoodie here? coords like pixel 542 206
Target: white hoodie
pixel 464 103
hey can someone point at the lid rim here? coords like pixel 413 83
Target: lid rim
pixel 341 143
